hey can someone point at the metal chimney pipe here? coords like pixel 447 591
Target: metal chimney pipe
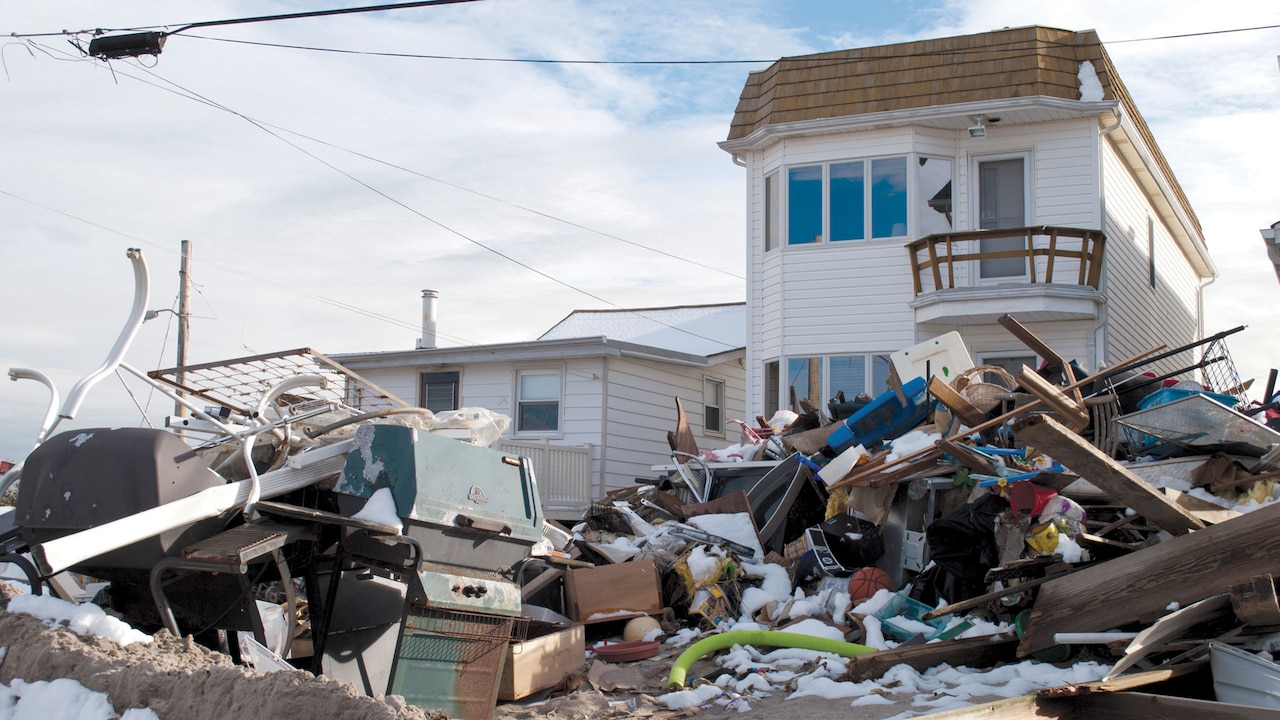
pixel 428 339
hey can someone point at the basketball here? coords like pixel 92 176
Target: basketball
pixel 864 583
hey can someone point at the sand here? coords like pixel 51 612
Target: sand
pixel 181 680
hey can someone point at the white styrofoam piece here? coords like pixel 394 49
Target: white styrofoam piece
pixel 841 464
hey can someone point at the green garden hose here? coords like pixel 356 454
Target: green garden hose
pixel 770 638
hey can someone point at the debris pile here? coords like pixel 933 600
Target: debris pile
pixel 970 525
pixel 970 517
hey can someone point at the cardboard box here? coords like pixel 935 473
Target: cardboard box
pixel 611 592
pixel 542 662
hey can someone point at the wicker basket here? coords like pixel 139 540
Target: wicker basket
pixel 981 394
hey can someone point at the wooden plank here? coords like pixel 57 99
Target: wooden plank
pixel 1170 627
pixel 1144 706
pixel 1255 601
pixel 1023 707
pixel 1207 512
pixel 1182 570
pixel 955 402
pixel 1127 682
pixel 1029 339
pixel 1087 461
pixel 979 652
pixel 1073 413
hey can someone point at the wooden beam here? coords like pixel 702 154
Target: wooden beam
pixel 1087 461
pixel 979 652
pixel 955 402
pixel 1182 570
pixel 1073 413
pixel 1029 339
pixel 1143 706
pixel 1126 682
pixel 1255 601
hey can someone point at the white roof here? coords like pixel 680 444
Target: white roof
pixel 696 330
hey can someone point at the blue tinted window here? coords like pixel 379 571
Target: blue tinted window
pixel 798 377
pixel 848 212
pixel 804 205
pixel 848 373
pixel 880 374
pixel 889 197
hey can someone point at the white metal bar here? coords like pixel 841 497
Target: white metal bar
pixel 61 553
pixel 141 296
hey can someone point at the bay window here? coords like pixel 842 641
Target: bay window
pixel 847 200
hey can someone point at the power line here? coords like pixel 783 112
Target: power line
pixel 422 215
pixel 985 50
pixel 189 94
pixel 246 20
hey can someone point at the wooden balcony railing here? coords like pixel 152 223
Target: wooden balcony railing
pixel 1045 250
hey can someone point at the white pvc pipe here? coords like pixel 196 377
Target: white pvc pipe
pixel 1094 638
pixel 196 410
pixel 306 469
pixel 246 443
pixel 51 413
pixel 141 296
pixel 284 386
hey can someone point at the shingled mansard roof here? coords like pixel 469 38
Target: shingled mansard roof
pixel 1016 65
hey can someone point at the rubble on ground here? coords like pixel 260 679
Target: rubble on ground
pixel 1116 521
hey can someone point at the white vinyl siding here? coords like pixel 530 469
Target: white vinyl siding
pixel 1141 317
pixel 642 409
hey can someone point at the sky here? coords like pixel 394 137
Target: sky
pixel 323 190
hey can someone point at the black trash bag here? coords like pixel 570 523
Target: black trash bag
pixel 963 547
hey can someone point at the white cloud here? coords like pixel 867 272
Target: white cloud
pixel 123 159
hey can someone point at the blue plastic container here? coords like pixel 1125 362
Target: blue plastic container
pixel 884 418
pixel 1167 395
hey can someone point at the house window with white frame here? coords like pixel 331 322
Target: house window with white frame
pixel 772 384
pixel 440 391
pixel 824 378
pixel 538 402
pixel 847 200
pixel 713 406
pixel 772 212
pixel 1002 204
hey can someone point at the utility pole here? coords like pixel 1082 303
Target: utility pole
pixel 184 317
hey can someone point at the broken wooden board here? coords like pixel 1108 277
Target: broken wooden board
pixel 979 652
pixel 955 402
pixel 1181 570
pixel 808 442
pixel 681 439
pixel 1073 414
pixel 1207 512
pixel 1170 627
pixel 1144 706
pixel 1255 602
pixel 1042 349
pixel 1087 461
pixel 1128 682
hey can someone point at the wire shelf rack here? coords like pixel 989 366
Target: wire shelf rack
pixel 237 384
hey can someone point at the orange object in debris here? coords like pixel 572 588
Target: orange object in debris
pixel 864 583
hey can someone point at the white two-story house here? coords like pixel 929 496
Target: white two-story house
pixel 899 192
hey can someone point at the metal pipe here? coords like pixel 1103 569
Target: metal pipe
pixel 51 413
pixel 141 296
